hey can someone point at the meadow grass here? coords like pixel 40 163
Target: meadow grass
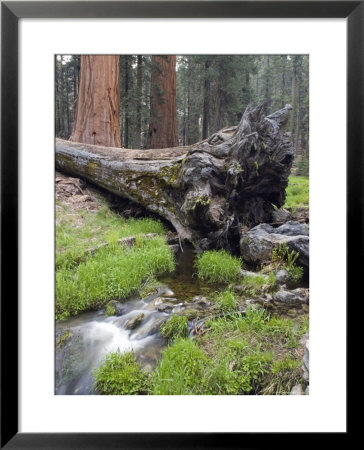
pixel 120 374
pixel 112 273
pixel 254 353
pixel 226 301
pixel 251 354
pixel 297 193
pixel 76 232
pixel 181 371
pixel 175 327
pixel 218 266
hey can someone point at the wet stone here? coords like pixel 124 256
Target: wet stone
pixel 134 322
pixel 165 292
pixel 165 307
pixel 151 327
pixel 282 277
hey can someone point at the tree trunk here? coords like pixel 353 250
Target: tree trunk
pixel 58 99
pixel 207 190
pixel 283 84
pixel 97 115
pixel 163 109
pixel 293 123
pixel 206 101
pixel 126 93
pixel 63 103
pixel 139 101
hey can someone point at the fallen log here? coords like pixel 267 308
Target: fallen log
pixel 206 190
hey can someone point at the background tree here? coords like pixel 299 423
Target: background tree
pixel 163 111
pixel 212 92
pixel 97 116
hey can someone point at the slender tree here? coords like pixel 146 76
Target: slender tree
pixel 139 100
pixel 127 98
pixel 206 100
pixel 163 110
pixel 97 116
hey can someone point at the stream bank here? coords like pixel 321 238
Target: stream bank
pixel 83 341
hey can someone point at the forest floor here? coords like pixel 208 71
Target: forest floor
pixel 297 193
pixel 233 353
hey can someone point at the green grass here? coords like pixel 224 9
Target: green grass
pixel 175 327
pixel 120 374
pixel 112 273
pixel 297 193
pixel 181 370
pixel 253 285
pixel 252 354
pixel 226 301
pixel 76 232
pixel 218 266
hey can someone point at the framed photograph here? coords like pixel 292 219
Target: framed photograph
pixel 182 135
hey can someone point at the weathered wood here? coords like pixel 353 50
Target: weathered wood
pixel 207 190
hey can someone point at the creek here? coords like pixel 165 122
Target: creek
pixel 83 341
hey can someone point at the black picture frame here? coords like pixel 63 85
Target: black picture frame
pixel 11 12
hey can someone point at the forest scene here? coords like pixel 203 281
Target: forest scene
pixel 182 224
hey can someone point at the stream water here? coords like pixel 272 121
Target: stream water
pixel 83 341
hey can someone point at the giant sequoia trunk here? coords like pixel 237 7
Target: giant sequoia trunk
pixel 207 190
pixel 97 115
pixel 163 110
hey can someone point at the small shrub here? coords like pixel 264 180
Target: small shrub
pixel 181 370
pixel 120 374
pixel 218 266
pixel 296 273
pixel 226 301
pixel 222 380
pixel 252 369
pixel 175 327
pixel 282 257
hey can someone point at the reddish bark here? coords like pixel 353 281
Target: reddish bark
pixel 97 117
pixel 163 110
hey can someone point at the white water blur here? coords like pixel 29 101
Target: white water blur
pixel 94 335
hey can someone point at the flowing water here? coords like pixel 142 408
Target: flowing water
pixel 83 341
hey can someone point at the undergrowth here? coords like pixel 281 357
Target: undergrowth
pixel 226 301
pixel 181 370
pixel 218 266
pixel 236 355
pixel 175 327
pixel 297 193
pixel 120 374
pixel 112 273
pixel 283 258
pixel 77 232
